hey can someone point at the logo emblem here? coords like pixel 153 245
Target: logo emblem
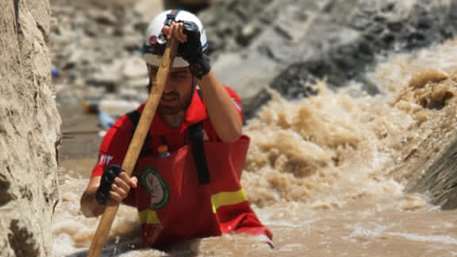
pixel 154 184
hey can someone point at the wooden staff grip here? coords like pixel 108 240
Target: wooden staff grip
pixel 136 144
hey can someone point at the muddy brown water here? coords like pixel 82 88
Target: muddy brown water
pixel 317 174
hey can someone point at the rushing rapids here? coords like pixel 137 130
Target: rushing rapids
pixel 321 172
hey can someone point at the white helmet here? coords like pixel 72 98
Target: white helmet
pixel 154 43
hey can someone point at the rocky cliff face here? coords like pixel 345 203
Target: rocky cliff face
pixel 427 163
pixel 29 129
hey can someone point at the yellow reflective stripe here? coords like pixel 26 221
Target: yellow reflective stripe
pixel 149 217
pixel 227 198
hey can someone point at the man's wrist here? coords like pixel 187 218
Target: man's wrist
pixel 200 66
pixel 89 205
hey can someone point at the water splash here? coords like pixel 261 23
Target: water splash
pixel 318 167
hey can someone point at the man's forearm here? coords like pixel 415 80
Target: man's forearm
pixel 221 110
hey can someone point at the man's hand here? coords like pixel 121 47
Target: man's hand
pixel 114 186
pixel 190 48
pixel 222 112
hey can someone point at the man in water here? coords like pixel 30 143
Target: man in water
pixel 186 183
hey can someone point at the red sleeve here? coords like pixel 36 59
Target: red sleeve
pixel 114 145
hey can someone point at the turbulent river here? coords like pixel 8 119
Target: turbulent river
pixel 321 173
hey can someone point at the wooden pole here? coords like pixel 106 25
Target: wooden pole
pixel 141 131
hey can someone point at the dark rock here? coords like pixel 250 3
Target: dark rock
pixel 192 6
pixel 22 241
pixel 440 180
pixel 250 105
pixel 86 48
pixel 336 40
pixel 5 196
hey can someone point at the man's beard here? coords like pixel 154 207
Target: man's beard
pixel 171 104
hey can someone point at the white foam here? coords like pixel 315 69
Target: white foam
pixel 63 246
pixel 443 239
pixel 362 232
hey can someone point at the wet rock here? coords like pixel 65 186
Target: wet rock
pixel 129 93
pixel 148 8
pixel 246 69
pixel 22 240
pixel 108 76
pixel 193 6
pixel 100 45
pixel 134 68
pixel 426 160
pixel 117 107
pixel 308 40
pixel 439 178
pixel 138 83
pixel 5 185
pixel 104 17
pixel 132 43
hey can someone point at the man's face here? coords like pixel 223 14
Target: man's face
pixel 177 93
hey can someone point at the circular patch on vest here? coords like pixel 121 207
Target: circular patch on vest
pixel 154 184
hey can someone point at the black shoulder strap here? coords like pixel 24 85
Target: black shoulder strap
pixel 134 117
pixel 198 152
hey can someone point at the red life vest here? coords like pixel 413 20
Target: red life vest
pixel 175 205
